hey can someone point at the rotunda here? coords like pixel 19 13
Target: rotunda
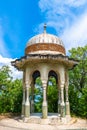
pixel 45 56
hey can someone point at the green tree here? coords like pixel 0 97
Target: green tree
pixel 5 77
pixel 78 82
pixel 10 92
pixel 5 81
pixel 15 95
pixel 38 96
pixel 52 95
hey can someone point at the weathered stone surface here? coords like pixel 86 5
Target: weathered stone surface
pixel 27 110
pixel 67 108
pixel 44 112
pixel 34 119
pixel 45 47
pixel 51 120
pixel 23 110
pixel 62 111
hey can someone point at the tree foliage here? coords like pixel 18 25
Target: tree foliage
pixel 38 95
pixel 78 82
pixel 52 95
pixel 10 92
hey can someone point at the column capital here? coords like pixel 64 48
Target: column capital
pixel 32 83
pixel 62 84
pixel 44 83
pixel 27 84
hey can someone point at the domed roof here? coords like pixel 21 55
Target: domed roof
pixel 45 38
pixel 45 43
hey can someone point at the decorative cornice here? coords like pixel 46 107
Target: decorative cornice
pixel 18 63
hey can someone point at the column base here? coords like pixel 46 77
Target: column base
pixel 44 111
pixel 27 110
pixel 59 109
pixel 32 106
pixel 67 108
pixel 23 110
pixel 68 118
pixel 63 111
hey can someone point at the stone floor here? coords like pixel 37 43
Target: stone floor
pixel 17 124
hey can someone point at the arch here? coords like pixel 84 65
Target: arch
pixel 53 74
pixel 35 75
pixel 52 92
pixel 34 88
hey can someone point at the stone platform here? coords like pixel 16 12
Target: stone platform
pixel 52 119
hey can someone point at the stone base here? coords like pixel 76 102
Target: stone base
pixel 52 119
pixel 44 112
pixel 27 111
pixel 34 119
pixel 68 118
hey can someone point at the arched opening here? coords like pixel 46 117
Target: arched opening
pixel 36 93
pixel 52 92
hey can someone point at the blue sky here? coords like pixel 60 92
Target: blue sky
pixel 22 19
pixel 18 18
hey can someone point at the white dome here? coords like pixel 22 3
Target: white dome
pixel 45 38
pixel 45 44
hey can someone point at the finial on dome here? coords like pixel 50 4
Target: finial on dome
pixel 45 26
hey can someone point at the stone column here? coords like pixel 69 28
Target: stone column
pixel 67 99
pixel 44 79
pixel 67 103
pixel 23 101
pixel 59 101
pixel 44 104
pixel 27 103
pixel 62 100
pixel 32 97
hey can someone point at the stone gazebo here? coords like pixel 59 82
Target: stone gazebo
pixel 45 56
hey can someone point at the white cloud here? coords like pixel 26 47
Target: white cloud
pixel 76 3
pixel 7 61
pixel 59 4
pixel 76 35
pixel 69 19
